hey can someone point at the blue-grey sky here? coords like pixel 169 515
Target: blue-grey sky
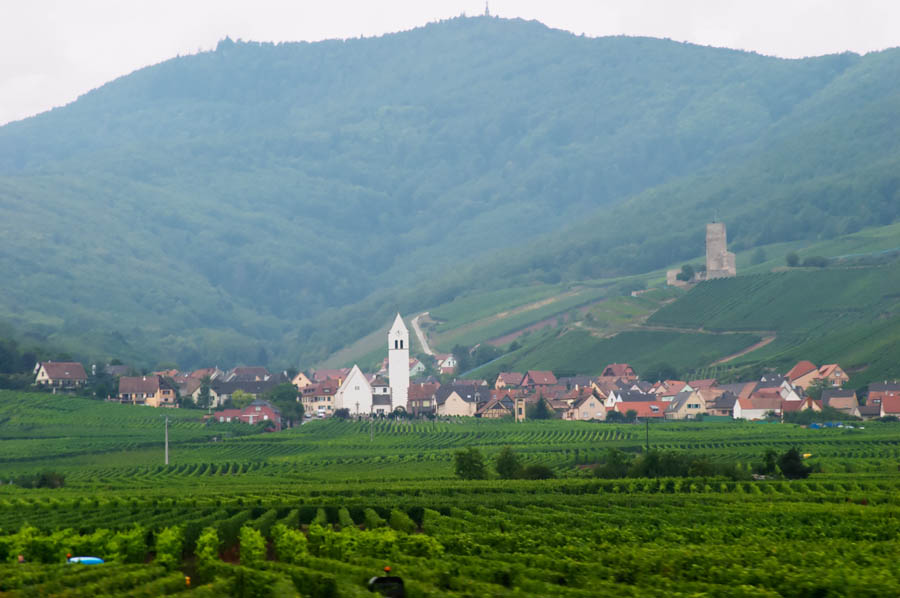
pixel 52 51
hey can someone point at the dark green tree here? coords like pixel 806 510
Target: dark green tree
pixel 204 398
pixel 792 259
pixel 792 466
pixel 686 274
pixel 469 464
pixel 539 410
pixel 286 397
pixel 508 464
pixel 614 466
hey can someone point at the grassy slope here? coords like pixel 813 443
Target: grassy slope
pixel 850 316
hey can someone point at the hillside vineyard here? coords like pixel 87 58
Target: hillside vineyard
pixel 229 193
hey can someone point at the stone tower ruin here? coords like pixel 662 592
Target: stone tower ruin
pixel 719 261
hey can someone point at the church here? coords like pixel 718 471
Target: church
pixel 360 396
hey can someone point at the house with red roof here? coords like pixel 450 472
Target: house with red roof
pixel 253 413
pixel 60 375
pixel 536 378
pixel 804 404
pixel 509 380
pixel 644 409
pixel 757 407
pixel 150 390
pixel 806 373
pixel 619 370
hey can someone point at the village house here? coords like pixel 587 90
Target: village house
pixel 318 398
pixel 805 373
pixel 150 390
pixel 248 374
pixel 509 380
pixel 722 405
pixel 844 401
pixel 301 381
pixel 60 375
pixel 421 398
pixel 446 363
pixel 686 405
pixel 643 409
pixel 253 413
pixel 890 406
pixel 804 404
pixel 757 408
pixel 354 394
pixel 497 407
pixel 337 374
pixel 460 400
pixel 535 379
pixel 211 373
pixel 619 370
pixel 586 407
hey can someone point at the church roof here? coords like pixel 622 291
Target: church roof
pixel 398 324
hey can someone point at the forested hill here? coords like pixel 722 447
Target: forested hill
pixel 270 203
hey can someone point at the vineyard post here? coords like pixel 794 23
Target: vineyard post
pixel 167 440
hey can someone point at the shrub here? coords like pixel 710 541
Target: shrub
pixel 169 543
pixel 469 464
pixel 253 547
pixel 290 544
pixel 207 552
pixel 507 464
pixel 401 522
pixel 538 472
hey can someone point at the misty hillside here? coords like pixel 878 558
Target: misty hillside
pixel 271 203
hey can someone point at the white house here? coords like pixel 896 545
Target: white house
pixel 355 393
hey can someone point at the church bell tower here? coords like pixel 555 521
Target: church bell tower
pixel 398 363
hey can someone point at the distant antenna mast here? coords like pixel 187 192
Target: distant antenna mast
pixel 487 10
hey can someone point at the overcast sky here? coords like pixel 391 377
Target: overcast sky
pixel 52 51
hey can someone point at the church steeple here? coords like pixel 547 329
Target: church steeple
pixel 398 363
pixel 487 10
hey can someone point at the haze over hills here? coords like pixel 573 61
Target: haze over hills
pixel 272 203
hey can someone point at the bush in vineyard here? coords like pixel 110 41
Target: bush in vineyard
pixel 253 547
pixel 169 543
pixel 129 546
pixel 207 552
pixel 290 544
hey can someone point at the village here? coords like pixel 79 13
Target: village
pixel 401 388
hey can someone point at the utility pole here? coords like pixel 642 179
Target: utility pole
pixel 167 440
pixel 372 428
pixel 648 434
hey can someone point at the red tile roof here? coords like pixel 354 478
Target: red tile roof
pixel 139 384
pixel 64 370
pixel 540 378
pixel 510 378
pixel 702 384
pixel 801 369
pixel 618 370
pixel 643 408
pixel 891 405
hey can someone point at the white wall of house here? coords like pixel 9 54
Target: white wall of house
pixel 355 394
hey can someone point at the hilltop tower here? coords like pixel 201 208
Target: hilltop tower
pixel 398 363
pixel 719 261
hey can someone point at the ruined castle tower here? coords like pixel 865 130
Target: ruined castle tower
pixel 719 261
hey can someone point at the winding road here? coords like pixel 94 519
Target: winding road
pixel 421 335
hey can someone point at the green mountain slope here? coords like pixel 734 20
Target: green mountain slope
pixel 276 202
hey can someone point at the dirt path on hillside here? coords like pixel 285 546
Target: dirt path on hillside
pixel 749 349
pixel 423 340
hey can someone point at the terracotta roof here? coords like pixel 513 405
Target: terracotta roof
pixel 807 403
pixel 767 403
pixel 323 388
pixel 620 370
pixel 422 391
pixel 891 405
pixel 510 378
pixel 322 375
pixel 801 369
pixel 540 378
pixel 704 384
pixel 64 370
pixel 136 384
pixel 838 398
pixel 828 369
pixel 203 372
pixel 644 409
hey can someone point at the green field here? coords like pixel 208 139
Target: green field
pixel 337 501
pixel 846 315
